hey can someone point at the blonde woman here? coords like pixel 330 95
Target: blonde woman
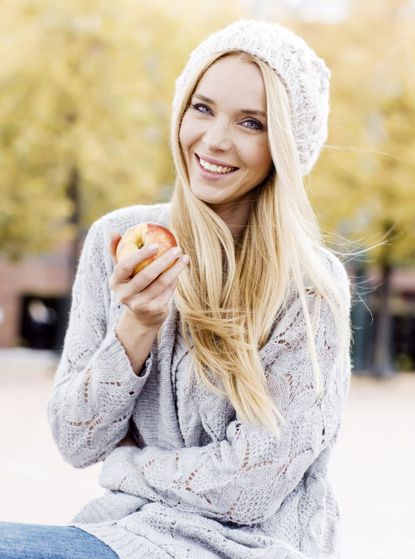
pixel 213 391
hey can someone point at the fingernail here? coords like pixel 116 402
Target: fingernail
pixel 153 247
pixel 186 259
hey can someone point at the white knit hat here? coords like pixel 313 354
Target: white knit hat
pixel 303 73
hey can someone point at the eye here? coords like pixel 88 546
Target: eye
pixel 253 124
pixel 199 107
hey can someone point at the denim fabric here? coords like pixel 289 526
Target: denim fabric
pixel 38 541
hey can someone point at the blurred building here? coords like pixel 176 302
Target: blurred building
pixel 34 298
pixel 35 301
pixel 365 312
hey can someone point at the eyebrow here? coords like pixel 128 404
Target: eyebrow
pixel 246 111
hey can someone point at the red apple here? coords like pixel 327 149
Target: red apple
pixel 144 234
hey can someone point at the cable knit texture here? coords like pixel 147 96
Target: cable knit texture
pixel 305 76
pixel 201 483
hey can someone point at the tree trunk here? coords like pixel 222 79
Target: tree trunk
pixel 75 219
pixel 382 350
pixel 72 192
pixel 360 316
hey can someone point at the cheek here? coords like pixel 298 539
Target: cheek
pixel 260 159
pixel 185 133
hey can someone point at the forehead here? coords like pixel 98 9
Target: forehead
pixel 235 81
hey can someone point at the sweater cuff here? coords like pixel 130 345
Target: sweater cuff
pixel 115 367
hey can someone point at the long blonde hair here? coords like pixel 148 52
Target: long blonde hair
pixel 230 296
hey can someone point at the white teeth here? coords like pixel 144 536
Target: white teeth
pixel 215 168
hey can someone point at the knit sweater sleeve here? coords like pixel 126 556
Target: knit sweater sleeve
pixel 245 478
pixel 95 387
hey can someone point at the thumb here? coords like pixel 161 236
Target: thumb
pixel 114 239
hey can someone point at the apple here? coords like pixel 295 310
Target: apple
pixel 143 234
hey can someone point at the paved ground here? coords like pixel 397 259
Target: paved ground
pixel 373 467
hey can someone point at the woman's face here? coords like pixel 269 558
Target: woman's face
pixel 223 133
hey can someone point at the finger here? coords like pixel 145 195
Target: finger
pixel 145 304
pixel 125 268
pixel 113 243
pixel 170 276
pixel 156 268
pixel 166 280
pixel 156 295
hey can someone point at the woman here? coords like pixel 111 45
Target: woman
pixel 213 391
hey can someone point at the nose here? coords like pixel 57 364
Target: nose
pixel 217 136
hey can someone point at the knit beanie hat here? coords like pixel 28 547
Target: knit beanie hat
pixel 304 74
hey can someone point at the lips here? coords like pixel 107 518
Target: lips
pixel 214 170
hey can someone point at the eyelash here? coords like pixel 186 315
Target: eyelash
pixel 196 106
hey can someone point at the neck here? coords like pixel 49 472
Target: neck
pixel 235 215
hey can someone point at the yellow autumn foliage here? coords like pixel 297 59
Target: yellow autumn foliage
pixel 86 86
pixel 86 89
pixel 363 184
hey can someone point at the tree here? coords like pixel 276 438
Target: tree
pixel 363 184
pixel 86 90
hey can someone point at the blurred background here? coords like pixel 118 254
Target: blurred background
pixel 85 96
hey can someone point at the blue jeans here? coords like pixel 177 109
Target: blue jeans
pixel 38 541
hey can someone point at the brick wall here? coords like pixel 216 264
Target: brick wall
pixel 47 275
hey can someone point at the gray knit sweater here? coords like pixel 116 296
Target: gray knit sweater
pixel 201 484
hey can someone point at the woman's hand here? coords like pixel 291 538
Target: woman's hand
pixel 146 295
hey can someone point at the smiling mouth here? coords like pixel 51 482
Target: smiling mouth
pixel 215 169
